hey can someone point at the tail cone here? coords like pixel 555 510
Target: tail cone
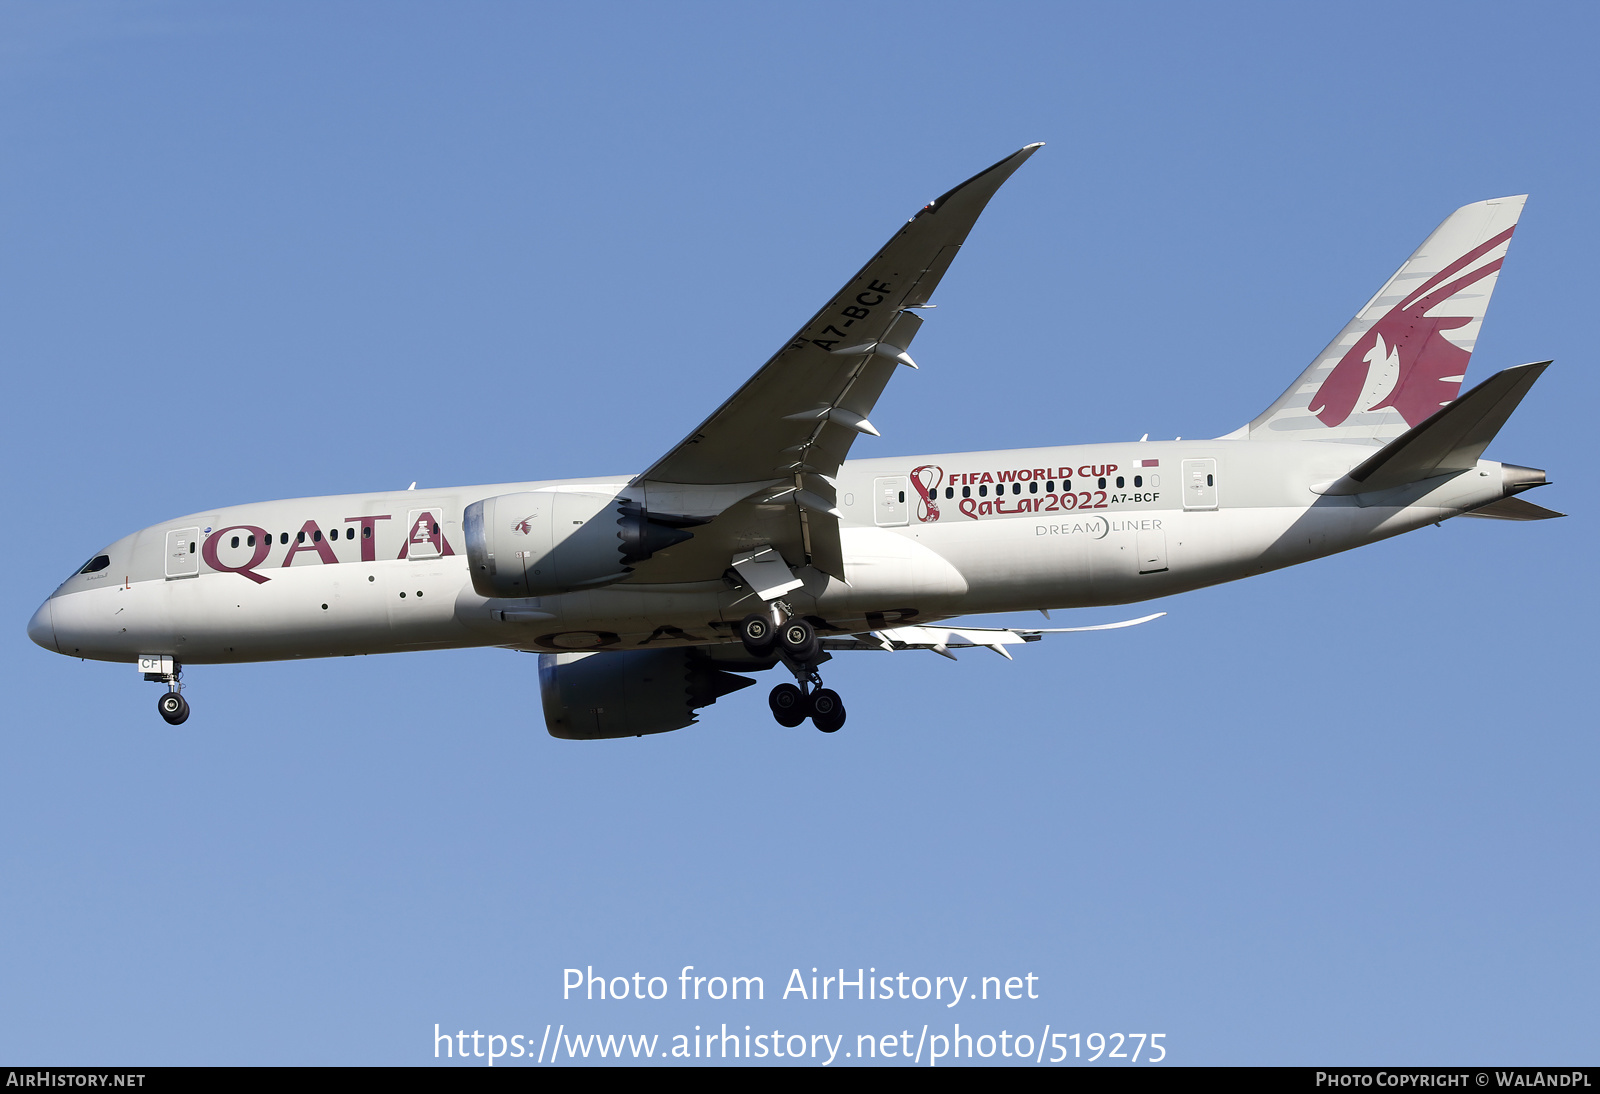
pixel 1517 479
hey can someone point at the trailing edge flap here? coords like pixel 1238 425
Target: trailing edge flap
pixel 1513 509
pixel 1451 440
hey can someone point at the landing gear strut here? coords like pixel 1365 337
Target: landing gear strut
pixel 798 645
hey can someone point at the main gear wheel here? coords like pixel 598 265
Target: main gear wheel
pixel 827 710
pixel 788 705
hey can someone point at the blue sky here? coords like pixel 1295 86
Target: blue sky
pixel 1338 814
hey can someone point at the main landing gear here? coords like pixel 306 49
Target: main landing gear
pixel 798 645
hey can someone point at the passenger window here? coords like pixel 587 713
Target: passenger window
pixel 1119 482
pixel 366 531
pixel 902 502
pixel 1033 488
pixel 1211 480
pixel 234 542
pixel 191 547
pixel 299 537
pixel 1102 482
pixel 983 491
pixel 96 564
pixel 1138 480
pixel 349 533
pixel 316 536
pixel 283 537
pixel 1016 488
pixel 1050 487
pixel 249 541
pixel 949 492
pixel 1066 486
pixel 966 491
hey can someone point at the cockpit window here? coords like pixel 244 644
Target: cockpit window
pixel 96 564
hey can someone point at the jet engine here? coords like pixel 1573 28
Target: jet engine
pixel 540 543
pixel 590 696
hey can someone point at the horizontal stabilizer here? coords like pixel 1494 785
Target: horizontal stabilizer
pixel 1452 439
pixel 1513 509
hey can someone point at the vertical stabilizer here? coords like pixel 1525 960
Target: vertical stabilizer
pixel 1405 353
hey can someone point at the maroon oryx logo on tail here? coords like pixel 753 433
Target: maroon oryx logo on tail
pixel 1404 361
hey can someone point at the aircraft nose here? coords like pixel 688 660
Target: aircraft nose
pixel 41 628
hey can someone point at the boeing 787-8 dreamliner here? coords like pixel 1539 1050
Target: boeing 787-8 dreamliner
pixel 755 543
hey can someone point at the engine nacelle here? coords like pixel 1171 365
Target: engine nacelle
pixel 544 542
pixel 589 696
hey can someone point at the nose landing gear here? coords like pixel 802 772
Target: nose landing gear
pixel 163 669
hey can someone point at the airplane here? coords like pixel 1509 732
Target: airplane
pixel 755 543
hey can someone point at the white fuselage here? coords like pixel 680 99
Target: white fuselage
pixel 365 573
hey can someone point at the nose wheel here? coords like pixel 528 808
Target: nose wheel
pixel 174 708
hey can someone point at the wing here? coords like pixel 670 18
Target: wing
pixel 758 472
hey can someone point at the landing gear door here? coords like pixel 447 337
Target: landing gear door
pixel 1199 484
pixel 889 504
pixel 425 538
pixel 183 552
